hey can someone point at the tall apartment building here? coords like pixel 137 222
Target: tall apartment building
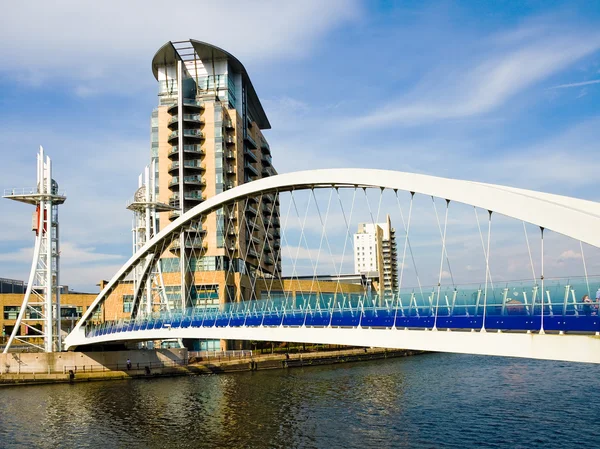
pixel 207 138
pixel 375 251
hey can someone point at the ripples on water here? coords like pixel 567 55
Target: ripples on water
pixel 434 400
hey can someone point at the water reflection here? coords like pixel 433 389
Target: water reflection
pixel 425 401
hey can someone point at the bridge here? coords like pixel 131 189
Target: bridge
pixel 543 317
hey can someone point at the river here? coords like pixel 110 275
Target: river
pixel 426 401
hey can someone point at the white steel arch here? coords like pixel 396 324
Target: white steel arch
pixel 575 218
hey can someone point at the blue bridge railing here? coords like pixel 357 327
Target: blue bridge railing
pixel 515 306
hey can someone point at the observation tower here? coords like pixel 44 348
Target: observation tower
pixel 40 311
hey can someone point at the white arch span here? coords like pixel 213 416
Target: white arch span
pixel 572 217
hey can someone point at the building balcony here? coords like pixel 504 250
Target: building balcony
pixel 173 215
pixel 228 124
pixel 250 141
pixel 267 210
pixel 188 149
pixel 190 195
pixel 229 155
pixel 268 260
pixel 249 169
pixel 229 140
pixel 188 104
pixel 266 160
pixel 252 254
pixel 264 147
pixel 250 210
pixel 193 119
pixel 194 164
pixel 194 180
pixel 228 186
pixel 196 243
pixel 230 170
pixel 253 240
pixel 188 133
pixel 196 228
pixel 268 198
pixel 194 195
pixel 267 171
pixel 250 155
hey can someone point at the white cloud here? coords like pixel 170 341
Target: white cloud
pixel 583 83
pixel 81 267
pixel 70 253
pixel 570 255
pixel 505 69
pixel 96 41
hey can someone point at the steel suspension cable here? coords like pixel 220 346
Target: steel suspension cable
pixel 542 279
pixel 295 260
pixel 347 223
pixel 303 237
pixel 483 244
pixel 439 286
pixel 587 282
pixel 407 243
pixel 446 252
pixel 324 224
pixel 487 270
pixel 529 250
pixel 323 232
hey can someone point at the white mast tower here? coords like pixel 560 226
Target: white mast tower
pixel 42 297
pixel 145 207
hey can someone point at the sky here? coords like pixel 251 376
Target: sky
pixel 500 92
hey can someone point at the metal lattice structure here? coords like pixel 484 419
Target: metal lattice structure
pixel 332 312
pixel 42 297
pixel 146 207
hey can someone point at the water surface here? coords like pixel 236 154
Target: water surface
pixel 433 400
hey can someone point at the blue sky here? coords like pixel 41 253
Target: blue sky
pixel 504 92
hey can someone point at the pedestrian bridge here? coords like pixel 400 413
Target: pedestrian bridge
pixel 544 317
pixel 507 329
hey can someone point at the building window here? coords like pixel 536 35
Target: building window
pixel 11 312
pixel 97 313
pixel 35 312
pixel 127 303
pixel 205 295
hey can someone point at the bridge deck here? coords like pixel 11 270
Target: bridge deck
pixel 371 318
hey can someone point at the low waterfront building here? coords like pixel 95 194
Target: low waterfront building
pixel 73 305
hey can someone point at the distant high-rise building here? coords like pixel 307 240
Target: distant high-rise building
pixel 375 251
